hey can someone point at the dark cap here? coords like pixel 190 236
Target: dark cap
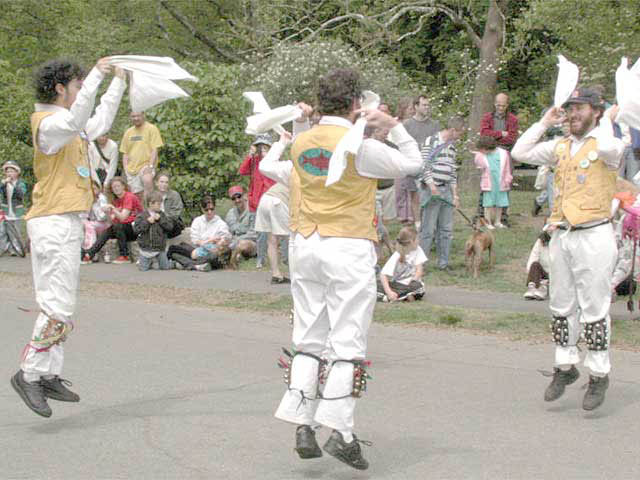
pixel 585 95
pixel 264 139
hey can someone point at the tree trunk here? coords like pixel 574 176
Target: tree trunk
pixel 486 79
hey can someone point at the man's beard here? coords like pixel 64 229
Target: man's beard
pixel 586 124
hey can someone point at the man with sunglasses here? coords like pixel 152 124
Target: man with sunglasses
pixel 242 224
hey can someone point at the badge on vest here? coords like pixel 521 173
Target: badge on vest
pixel 592 155
pixel 581 178
pixel 584 163
pixel 561 147
pixel 83 171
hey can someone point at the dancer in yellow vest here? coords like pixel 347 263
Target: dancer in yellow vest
pixel 332 258
pixel 61 127
pixel 583 248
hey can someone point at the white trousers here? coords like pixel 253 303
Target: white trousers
pixel 55 260
pixel 581 267
pixel 334 294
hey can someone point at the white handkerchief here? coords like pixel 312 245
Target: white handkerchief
pixel 147 91
pixel 263 122
pixel 370 100
pixel 628 95
pixel 350 143
pixel 568 74
pixel 260 105
pixel 164 67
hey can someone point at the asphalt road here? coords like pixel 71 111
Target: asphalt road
pixel 172 392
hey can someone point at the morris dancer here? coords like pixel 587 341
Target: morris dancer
pixel 333 257
pixel 61 129
pixel 582 249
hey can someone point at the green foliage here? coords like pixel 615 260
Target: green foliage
pixel 204 135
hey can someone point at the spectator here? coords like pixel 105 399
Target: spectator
pixel 439 181
pixel 152 227
pixel 242 225
pixel 103 158
pixel 258 184
pixel 97 220
pixel 538 269
pixel 495 163
pixel 172 204
pixel 500 124
pixel 210 238
pixel 13 190
pixel 140 145
pixel 420 126
pixel 405 109
pixel 544 179
pixel 123 209
pixel 273 219
pixel 401 276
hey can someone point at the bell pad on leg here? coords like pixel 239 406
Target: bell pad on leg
pixel 596 335
pixel 560 331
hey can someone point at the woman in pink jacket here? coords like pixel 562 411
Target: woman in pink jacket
pixel 495 183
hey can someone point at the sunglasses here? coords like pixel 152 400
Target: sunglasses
pixel 237 195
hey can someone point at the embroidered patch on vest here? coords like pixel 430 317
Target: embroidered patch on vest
pixel 315 161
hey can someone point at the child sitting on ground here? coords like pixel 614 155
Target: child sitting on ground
pixel 153 227
pixel 538 269
pixel 97 220
pixel 401 277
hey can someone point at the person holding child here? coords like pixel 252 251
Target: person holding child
pixel 153 227
pixel 495 182
pixel 401 277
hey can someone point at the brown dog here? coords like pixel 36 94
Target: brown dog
pixel 480 240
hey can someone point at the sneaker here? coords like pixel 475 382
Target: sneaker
pixel 594 395
pixel 279 280
pixel 535 211
pixel 32 394
pixel 490 227
pixel 531 291
pixel 348 453
pixel 560 380
pixel 121 259
pixel 306 444
pixel 203 267
pixel 500 225
pixel 86 259
pixel 260 265
pixel 541 293
pixel 55 389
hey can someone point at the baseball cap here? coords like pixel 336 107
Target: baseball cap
pixel 585 95
pixel 264 139
pixel 11 164
pixel 235 190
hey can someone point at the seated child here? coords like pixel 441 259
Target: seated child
pixel 97 220
pixel 538 269
pixel 152 227
pixel 401 276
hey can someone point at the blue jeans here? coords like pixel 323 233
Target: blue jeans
pixel 547 193
pixel 437 221
pixel 145 263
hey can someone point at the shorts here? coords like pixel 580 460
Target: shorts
pixel 135 181
pixel 272 216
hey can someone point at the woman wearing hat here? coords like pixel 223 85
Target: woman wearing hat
pixel 13 190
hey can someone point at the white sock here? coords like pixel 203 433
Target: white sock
pixel 347 435
pixel 31 377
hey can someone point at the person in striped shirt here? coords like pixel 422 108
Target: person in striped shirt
pixel 438 182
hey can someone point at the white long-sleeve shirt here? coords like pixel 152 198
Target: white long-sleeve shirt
pixel 528 150
pixel 57 130
pixel 373 160
pixel 203 229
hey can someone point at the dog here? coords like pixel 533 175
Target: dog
pixel 480 240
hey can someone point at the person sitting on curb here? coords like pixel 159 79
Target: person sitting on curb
pixel 401 277
pixel 242 225
pixel 538 269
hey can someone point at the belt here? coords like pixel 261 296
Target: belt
pixel 579 227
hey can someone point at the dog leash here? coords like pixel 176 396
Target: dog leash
pixel 444 200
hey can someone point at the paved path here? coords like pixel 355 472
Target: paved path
pixel 171 392
pixel 258 282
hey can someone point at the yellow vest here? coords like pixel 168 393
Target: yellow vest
pixel 60 188
pixel 584 186
pixel 294 200
pixel 346 208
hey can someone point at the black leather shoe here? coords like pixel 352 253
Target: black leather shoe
pixel 54 388
pixel 32 394
pixel 594 396
pixel 306 444
pixel 535 211
pixel 348 453
pixel 560 380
